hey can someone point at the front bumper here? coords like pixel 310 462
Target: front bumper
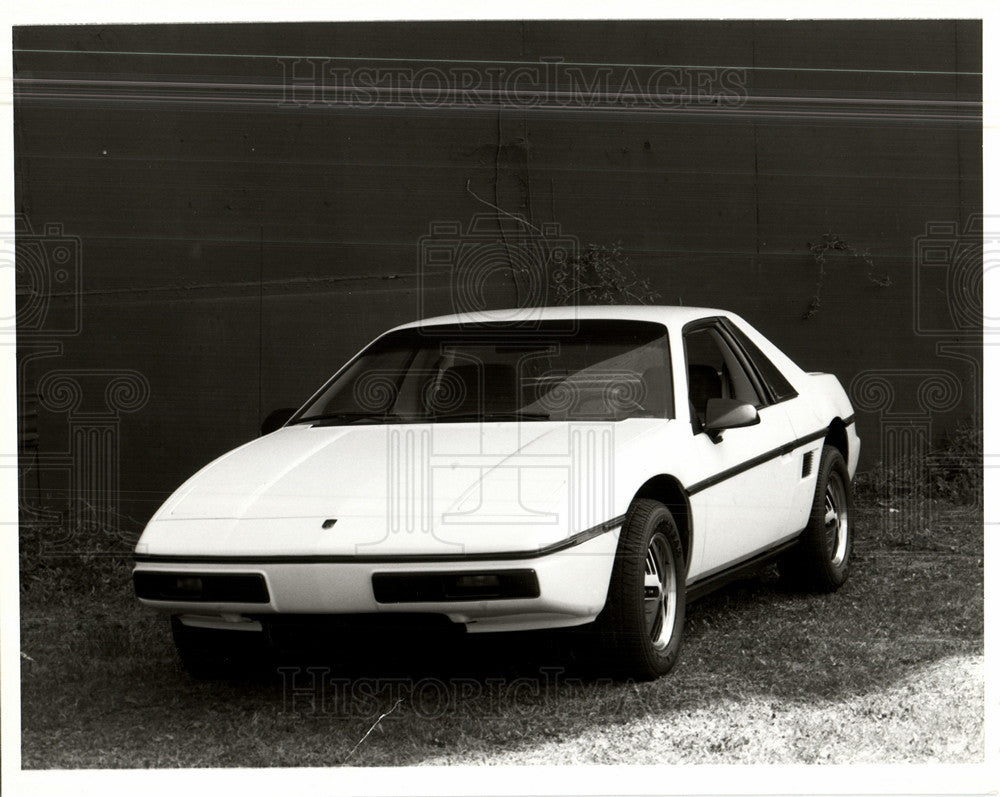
pixel 565 588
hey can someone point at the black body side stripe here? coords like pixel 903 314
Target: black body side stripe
pixel 555 547
pixel 569 542
pixel 736 470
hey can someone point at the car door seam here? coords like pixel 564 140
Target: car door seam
pixel 753 462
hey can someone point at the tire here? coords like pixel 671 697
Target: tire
pixel 821 560
pixel 209 654
pixel 639 632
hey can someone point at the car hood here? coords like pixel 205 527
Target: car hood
pixel 444 488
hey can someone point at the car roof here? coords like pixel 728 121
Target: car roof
pixel 669 316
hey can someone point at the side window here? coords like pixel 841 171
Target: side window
pixel 714 371
pixel 780 387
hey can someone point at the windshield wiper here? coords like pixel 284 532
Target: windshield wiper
pixel 349 417
pixel 492 416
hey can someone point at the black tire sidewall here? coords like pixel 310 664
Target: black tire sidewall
pixel 622 624
pixel 816 568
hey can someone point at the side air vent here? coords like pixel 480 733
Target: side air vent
pixel 807 463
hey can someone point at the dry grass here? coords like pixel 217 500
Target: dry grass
pixel 889 669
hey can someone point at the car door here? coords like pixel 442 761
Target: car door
pixel 808 429
pixel 742 483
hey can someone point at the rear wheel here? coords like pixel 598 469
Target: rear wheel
pixel 642 622
pixel 820 562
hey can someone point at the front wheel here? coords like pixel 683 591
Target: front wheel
pixel 820 562
pixel 642 622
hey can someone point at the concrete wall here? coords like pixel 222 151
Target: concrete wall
pixel 235 242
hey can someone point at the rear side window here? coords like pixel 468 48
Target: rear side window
pixel 775 381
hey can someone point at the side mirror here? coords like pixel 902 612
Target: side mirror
pixel 721 414
pixel 277 419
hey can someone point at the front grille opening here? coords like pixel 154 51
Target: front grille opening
pixel 201 587
pixel 458 586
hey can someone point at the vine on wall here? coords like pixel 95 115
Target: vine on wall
pixel 831 242
pixel 601 275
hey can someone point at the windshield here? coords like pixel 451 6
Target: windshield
pixel 603 370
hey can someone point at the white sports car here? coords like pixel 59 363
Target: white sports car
pixel 593 466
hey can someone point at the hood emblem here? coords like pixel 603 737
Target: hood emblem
pixel 329 523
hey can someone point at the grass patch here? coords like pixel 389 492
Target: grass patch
pixel 889 669
pixel 951 471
